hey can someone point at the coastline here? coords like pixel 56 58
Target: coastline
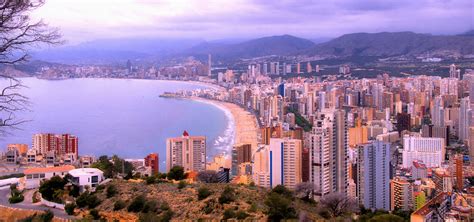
pixel 244 123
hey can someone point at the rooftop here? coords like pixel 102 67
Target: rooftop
pixel 85 171
pixel 49 169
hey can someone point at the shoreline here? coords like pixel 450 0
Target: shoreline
pixel 245 124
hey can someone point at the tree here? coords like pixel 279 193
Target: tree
pixel 51 189
pixel 176 173
pixel 69 208
pixel 19 33
pixel 15 195
pixel 338 204
pixel 304 190
pixel 282 190
pixel 208 176
pixel 279 207
pixel 182 184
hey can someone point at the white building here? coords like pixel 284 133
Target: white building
pixel 83 177
pixel 34 176
pixel 429 150
pixel 285 162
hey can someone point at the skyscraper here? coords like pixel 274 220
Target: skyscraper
pixel 58 144
pixel 329 153
pixel 241 153
pixel 285 162
pixel 186 151
pixel 373 162
pixel 209 65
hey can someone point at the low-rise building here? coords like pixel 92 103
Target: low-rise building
pixel 34 176
pixel 86 178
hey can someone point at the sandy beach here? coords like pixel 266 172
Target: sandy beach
pixel 245 124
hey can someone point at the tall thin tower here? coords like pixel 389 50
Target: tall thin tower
pixel 209 64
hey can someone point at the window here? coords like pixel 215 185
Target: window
pixel 29 176
pixel 42 175
pixel 95 179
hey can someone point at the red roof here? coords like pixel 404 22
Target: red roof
pixel 185 133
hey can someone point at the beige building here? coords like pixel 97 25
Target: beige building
pixel 21 148
pixel 358 134
pixel 186 151
pixel 261 166
pixel 285 162
pixel 401 194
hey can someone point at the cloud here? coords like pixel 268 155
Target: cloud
pixel 213 19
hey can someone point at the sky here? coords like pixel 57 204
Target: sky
pixel 86 20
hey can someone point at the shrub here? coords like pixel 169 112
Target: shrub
pixel 93 201
pixel 182 184
pixel 148 217
pixel 150 180
pixel 241 215
pixel 203 193
pixel 119 204
pixel 229 213
pixel 95 214
pixel 150 206
pixel 137 204
pixel 81 201
pixel 47 216
pixel 69 208
pixel 176 173
pixel 227 195
pixel 165 206
pixel 111 191
pixel 166 216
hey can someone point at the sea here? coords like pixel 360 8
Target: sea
pixel 125 117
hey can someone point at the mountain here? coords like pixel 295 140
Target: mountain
pixel 114 50
pixel 386 44
pixel 273 45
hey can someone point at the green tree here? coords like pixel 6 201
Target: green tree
pixel 282 190
pixel 279 207
pixel 69 208
pixel 182 184
pixel 15 195
pixel 49 188
pixel 176 173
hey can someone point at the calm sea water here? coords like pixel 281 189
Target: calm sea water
pixel 118 116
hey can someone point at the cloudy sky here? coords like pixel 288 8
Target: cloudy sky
pixel 84 20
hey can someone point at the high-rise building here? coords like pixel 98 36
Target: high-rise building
pixel 241 153
pixel 429 150
pixel 373 169
pixel 261 166
pixel 329 153
pixel 152 161
pixel 465 115
pixel 285 162
pixel 186 151
pixel 309 69
pixel 58 144
pixel 209 65
pixel 401 194
pixel 298 68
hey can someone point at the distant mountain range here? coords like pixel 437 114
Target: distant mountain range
pixel 384 44
pixel 273 45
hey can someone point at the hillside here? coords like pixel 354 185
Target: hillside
pixel 386 44
pixel 273 45
pixel 184 203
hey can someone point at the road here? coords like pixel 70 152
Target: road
pixel 27 204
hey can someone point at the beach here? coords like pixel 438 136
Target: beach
pixel 243 124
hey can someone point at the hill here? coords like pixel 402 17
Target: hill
pixel 266 46
pixel 387 44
